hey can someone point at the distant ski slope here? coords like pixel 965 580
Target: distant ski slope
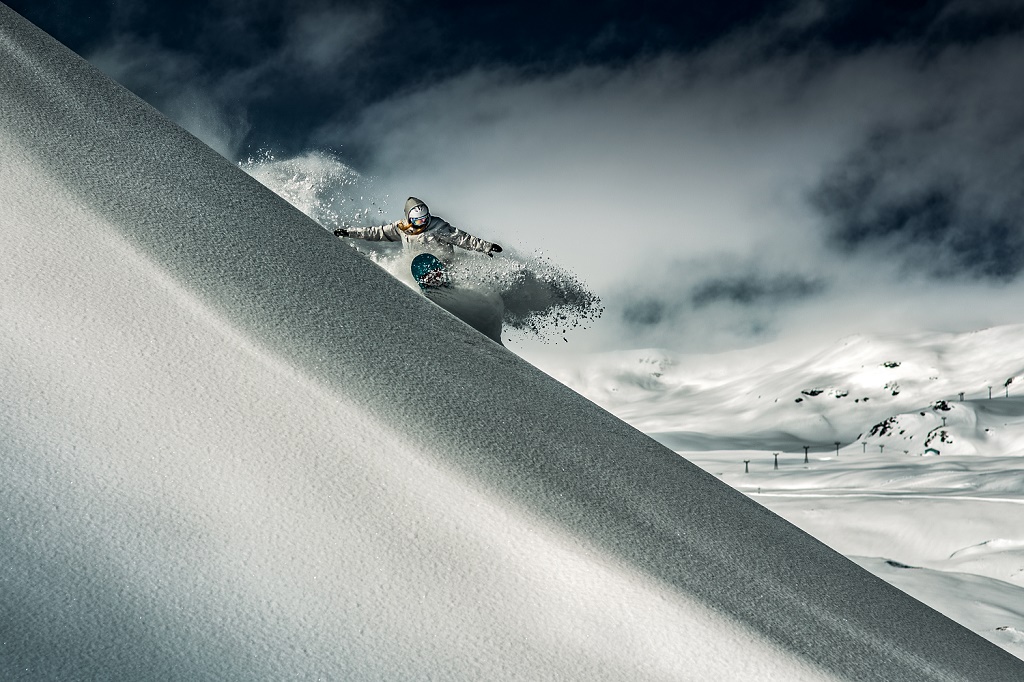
pixel 839 394
pixel 233 449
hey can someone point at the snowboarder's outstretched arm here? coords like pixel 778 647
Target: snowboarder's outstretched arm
pixel 378 233
pixel 456 237
pixel 438 231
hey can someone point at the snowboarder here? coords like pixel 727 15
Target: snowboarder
pixel 481 309
pixel 420 229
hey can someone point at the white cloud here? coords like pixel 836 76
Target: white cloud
pixel 659 175
pixel 693 163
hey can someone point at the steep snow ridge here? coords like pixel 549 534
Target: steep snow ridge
pixel 235 449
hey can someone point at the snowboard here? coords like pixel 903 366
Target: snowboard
pixel 481 310
pixel 429 272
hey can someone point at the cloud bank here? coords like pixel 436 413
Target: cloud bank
pixel 743 192
pixel 940 186
pixel 805 166
pixel 238 59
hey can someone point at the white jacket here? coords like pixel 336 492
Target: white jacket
pixel 436 235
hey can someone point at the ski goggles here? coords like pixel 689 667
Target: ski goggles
pixel 421 221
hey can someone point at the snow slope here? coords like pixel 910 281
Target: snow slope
pixel 234 449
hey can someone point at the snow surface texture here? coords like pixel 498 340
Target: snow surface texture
pixel 540 300
pixel 890 450
pixel 234 449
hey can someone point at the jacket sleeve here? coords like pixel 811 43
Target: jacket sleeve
pixel 456 237
pixel 378 233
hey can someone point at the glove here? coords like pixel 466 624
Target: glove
pixel 494 248
pixel 341 232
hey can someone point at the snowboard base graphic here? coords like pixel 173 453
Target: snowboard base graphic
pixel 481 310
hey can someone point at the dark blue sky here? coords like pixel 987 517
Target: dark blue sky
pixel 410 43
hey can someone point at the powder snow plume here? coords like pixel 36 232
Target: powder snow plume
pixel 321 186
pixel 542 299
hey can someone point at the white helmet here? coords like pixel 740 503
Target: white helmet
pixel 419 215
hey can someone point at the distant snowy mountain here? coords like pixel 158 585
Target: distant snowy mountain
pixel 903 393
pixel 234 449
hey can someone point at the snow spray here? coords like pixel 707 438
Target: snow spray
pixel 542 300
